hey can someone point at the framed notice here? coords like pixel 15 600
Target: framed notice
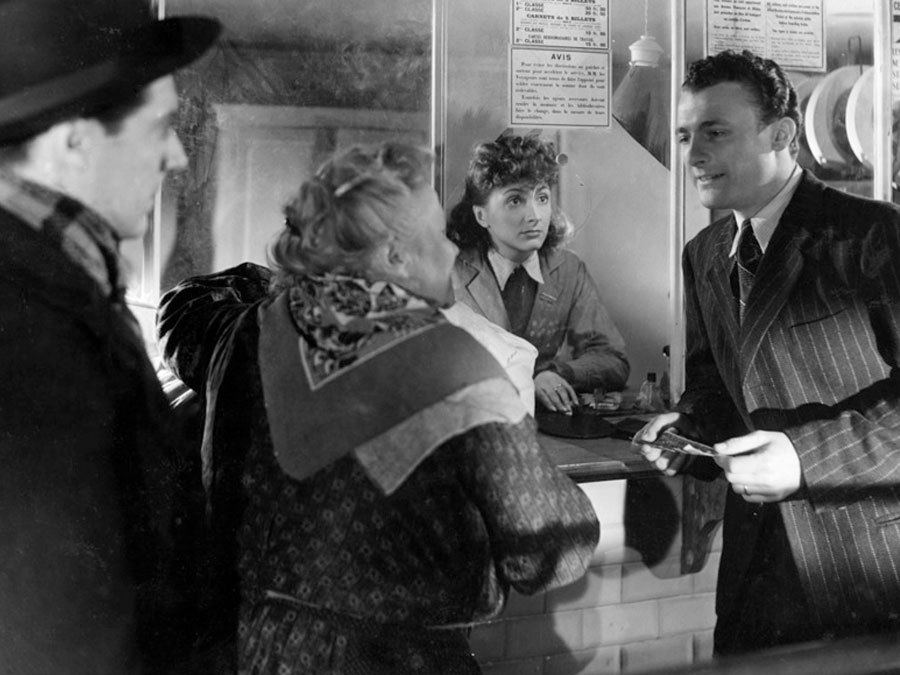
pixel 559 63
pixel 559 88
pixel 790 32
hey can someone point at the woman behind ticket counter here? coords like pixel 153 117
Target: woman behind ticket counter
pixel 512 269
pixel 373 477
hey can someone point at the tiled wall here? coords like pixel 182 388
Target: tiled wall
pixel 624 616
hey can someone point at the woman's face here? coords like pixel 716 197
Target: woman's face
pixel 430 254
pixel 517 216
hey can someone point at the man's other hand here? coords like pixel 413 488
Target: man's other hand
pixel 761 466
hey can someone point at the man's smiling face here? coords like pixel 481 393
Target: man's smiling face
pixel 727 151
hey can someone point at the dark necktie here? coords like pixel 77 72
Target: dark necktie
pixel 749 253
pixel 518 299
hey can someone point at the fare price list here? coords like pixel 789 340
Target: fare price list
pixel 571 24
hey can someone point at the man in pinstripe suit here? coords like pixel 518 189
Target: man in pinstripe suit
pixel 793 345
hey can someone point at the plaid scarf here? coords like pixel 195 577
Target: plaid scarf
pixel 81 233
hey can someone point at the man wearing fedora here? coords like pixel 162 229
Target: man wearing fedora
pixel 88 474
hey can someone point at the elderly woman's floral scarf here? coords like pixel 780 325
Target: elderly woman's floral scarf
pixel 345 318
pixel 353 367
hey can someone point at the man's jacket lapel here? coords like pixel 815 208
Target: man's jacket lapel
pixel 779 270
pixel 724 329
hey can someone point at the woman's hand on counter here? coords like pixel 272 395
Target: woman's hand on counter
pixel 554 393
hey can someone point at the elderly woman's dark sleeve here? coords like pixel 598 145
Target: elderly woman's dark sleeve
pixel 542 527
pixel 200 312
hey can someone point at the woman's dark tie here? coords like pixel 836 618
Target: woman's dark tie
pixel 518 298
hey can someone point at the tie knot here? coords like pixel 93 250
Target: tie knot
pixel 518 298
pixel 749 251
pixel 748 256
pixel 518 275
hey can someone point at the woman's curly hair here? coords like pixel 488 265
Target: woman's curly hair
pixel 507 160
pixel 354 202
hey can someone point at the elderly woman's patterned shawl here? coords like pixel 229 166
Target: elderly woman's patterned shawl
pixel 349 366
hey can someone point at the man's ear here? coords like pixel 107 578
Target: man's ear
pixel 785 131
pixel 480 216
pixel 76 138
pixel 53 154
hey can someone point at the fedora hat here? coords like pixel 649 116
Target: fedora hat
pixel 65 58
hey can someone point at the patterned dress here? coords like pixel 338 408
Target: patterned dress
pixel 336 577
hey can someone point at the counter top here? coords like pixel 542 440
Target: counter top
pixel 596 459
pixel 605 459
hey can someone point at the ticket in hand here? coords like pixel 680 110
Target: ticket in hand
pixel 674 442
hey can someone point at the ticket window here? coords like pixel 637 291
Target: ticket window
pixel 275 97
pixel 567 71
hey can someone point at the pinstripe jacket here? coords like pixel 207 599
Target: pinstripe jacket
pixel 573 332
pixel 817 358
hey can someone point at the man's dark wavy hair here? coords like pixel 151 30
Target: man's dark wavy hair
pixel 509 159
pixel 762 79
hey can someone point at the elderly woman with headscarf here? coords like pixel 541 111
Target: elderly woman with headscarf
pixel 374 480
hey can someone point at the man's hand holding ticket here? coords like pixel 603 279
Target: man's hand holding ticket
pixel 668 454
pixel 674 442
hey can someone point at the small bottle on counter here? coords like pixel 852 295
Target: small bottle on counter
pixel 649 397
pixel 664 386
